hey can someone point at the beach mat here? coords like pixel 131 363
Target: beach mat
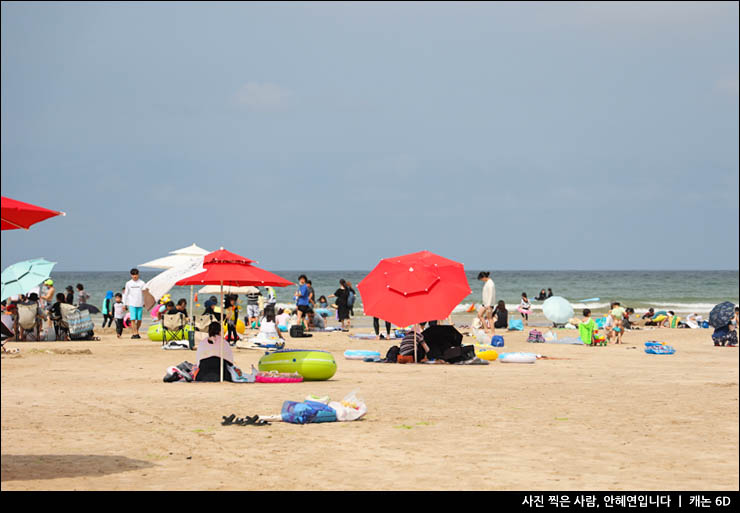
pixel 571 340
pixel 370 336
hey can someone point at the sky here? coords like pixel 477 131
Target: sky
pixel 326 136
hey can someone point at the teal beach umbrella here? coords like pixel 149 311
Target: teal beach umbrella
pixel 21 277
pixel 557 309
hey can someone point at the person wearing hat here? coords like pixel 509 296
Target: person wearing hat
pixel 107 309
pixel 69 297
pixel 211 307
pixel 48 292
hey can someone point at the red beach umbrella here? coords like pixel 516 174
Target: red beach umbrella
pixel 226 268
pixel 413 288
pixel 17 214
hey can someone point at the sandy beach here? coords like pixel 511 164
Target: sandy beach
pixel 603 418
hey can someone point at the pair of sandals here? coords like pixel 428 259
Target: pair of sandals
pixel 246 421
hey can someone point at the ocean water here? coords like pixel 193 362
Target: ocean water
pixel 681 291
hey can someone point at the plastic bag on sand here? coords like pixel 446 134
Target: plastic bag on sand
pixel 350 408
pixel 482 337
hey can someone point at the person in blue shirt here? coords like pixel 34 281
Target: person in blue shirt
pixel 303 296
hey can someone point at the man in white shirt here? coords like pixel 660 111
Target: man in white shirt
pixel 485 313
pixel 133 298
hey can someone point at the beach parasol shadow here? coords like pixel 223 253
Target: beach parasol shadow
pixel 26 467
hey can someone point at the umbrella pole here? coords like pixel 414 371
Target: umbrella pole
pixel 222 331
pixel 415 360
pixel 191 304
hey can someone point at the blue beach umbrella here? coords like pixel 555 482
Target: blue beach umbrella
pixel 722 314
pixel 21 277
pixel 557 309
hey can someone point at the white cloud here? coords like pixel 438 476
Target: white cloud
pixel 263 96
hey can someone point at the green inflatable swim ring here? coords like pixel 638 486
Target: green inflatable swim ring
pixel 155 333
pixel 311 364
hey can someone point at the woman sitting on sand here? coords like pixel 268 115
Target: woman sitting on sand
pixel 209 356
pixel 500 316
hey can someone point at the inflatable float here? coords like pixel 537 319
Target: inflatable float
pixel 658 348
pixel 155 333
pixel 485 352
pixel 240 327
pixel 517 358
pixel 312 365
pixel 360 354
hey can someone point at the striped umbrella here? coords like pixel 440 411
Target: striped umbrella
pixel 21 277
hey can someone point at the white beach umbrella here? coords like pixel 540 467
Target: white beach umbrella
pixel 177 258
pixel 164 281
pixel 557 309
pixel 191 250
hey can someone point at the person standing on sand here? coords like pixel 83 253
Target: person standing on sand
pixel 303 298
pixel 617 313
pixel 485 313
pixel 342 294
pixel 133 299
pixel 524 308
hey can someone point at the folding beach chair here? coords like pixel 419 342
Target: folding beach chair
pixel 173 326
pixel 28 321
pixel 61 325
pixel 203 321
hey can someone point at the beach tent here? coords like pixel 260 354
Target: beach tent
pixel 223 267
pixel 413 288
pixel 557 309
pixel 17 214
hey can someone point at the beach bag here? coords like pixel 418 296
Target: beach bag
pixel 180 372
pixel 536 336
pixel 80 324
pixel 459 354
pixel 516 325
pixel 307 412
pixel 297 331
pixel 392 355
pixel 497 341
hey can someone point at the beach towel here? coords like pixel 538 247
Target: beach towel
pixel 570 340
pixel 363 336
pixel 586 331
